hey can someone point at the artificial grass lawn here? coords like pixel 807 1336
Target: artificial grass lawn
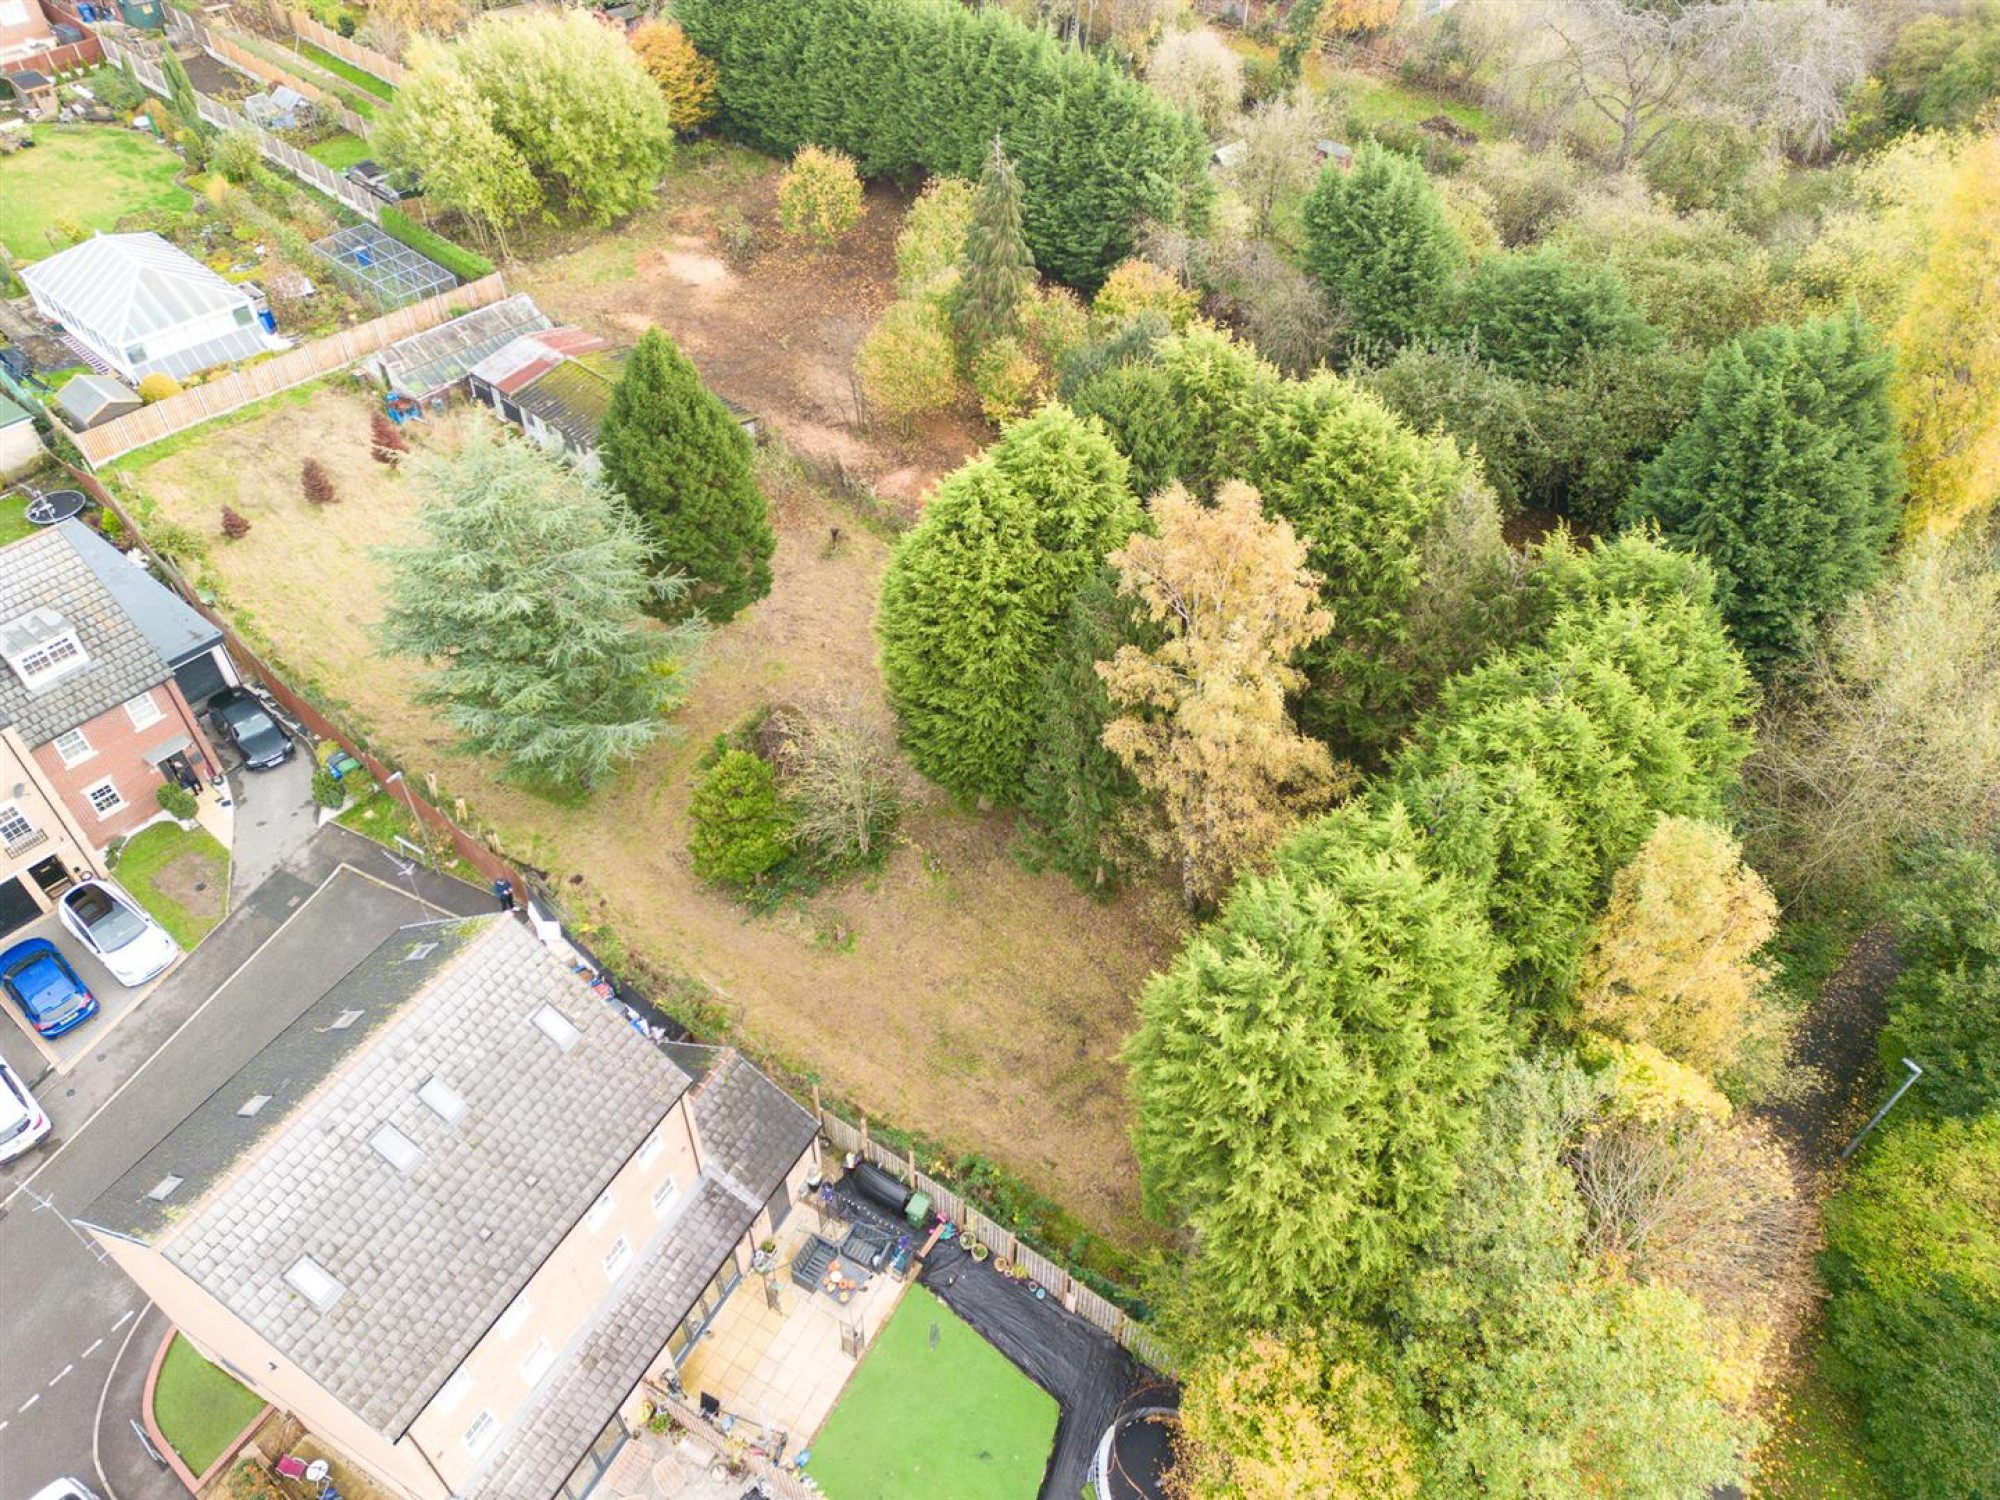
pixel 94 174
pixel 199 1408
pixel 161 864
pixel 339 151
pixel 956 1419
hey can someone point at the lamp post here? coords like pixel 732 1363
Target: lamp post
pixel 1915 1073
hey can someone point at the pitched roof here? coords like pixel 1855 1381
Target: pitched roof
pixel 170 625
pixel 574 396
pixel 429 361
pixel 12 415
pixel 46 572
pixel 127 287
pixel 84 396
pixel 532 355
pixel 749 1127
pixel 429 1259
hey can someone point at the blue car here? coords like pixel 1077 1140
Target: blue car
pixel 39 980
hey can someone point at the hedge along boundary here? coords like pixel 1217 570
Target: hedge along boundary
pixel 466 265
pixel 913 86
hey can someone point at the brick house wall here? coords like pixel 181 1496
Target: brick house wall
pixel 117 750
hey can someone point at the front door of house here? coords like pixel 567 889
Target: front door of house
pixel 53 876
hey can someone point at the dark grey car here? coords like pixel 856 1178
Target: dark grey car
pixel 248 725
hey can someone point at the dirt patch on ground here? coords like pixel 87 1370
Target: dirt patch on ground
pixel 196 883
pixel 952 991
pixel 772 326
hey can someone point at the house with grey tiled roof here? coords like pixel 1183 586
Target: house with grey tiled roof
pixel 89 693
pixel 458 1211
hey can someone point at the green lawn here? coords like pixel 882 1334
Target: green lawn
pixel 93 174
pixel 1814 1452
pixel 339 151
pixel 14 523
pixel 1381 101
pixel 181 877
pixel 361 78
pixel 199 1408
pixel 935 1410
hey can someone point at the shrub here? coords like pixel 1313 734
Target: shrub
pixel 1135 286
pixel 327 789
pixel 843 778
pixel 741 828
pixel 1006 379
pixel 236 153
pixel 158 386
pixel 933 235
pixel 175 799
pixel 907 364
pixel 466 265
pixel 820 197
pixel 235 525
pixel 687 79
pixel 317 483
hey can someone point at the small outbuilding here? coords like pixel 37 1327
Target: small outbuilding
pixel 87 401
pixel 428 364
pixel 35 92
pixel 145 307
pixel 20 444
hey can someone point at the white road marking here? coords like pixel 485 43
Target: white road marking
pixel 122 1321
pixel 29 1402
pixel 97 1423
pixel 91 1350
pixel 60 1373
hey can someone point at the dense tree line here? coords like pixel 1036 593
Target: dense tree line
pixel 908 87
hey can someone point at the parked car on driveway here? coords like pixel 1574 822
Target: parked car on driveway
pixel 64 1489
pixel 42 985
pixel 113 927
pixel 22 1121
pixel 248 725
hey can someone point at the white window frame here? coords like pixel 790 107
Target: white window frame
pixel 618 1259
pixel 599 1211
pixel 655 1144
pixel 397 1149
pixel 453 1392
pixel 480 1435
pixel 444 1101
pixel 664 1196
pixel 60 653
pixel 82 739
pixel 106 785
pixel 557 1027
pixel 10 813
pixel 541 1359
pixel 512 1319
pixel 154 712
pixel 314 1282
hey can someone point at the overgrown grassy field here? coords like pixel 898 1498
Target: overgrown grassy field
pixel 91 174
pixel 935 1410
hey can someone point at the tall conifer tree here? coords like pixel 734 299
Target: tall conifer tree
pixel 682 462
pixel 997 270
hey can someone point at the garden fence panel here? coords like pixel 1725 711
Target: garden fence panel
pixel 779 1482
pixel 224 50
pixel 292 368
pixel 1045 1271
pixel 367 59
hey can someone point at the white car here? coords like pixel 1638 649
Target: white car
pixel 22 1121
pixel 65 1489
pixel 117 931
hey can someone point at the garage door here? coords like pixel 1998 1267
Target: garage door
pixel 17 906
pixel 200 679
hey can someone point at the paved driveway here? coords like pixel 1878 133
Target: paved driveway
pixel 75 1326
pixel 58 1055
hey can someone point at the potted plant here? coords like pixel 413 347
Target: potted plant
pixel 977 1249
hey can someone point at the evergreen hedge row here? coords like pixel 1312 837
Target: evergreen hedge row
pixel 913 86
pixel 466 265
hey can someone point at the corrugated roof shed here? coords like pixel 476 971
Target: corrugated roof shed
pixel 425 363
pixel 533 355
pixel 127 287
pixel 574 396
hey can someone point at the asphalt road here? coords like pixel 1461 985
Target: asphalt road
pixel 78 1334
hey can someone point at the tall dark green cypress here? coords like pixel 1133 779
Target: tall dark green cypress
pixel 996 270
pixel 181 94
pixel 1787 478
pixel 1377 240
pixel 682 462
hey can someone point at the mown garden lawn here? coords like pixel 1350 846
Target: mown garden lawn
pixel 180 876
pixel 92 174
pixel 199 1408
pixel 339 151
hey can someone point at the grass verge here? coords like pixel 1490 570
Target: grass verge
pixel 935 1410
pixel 179 875
pixel 199 1408
pixel 385 819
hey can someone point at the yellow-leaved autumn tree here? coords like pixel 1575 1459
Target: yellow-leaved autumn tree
pixel 1947 388
pixel 1276 1419
pixel 1201 719
pixel 1673 962
pixel 686 78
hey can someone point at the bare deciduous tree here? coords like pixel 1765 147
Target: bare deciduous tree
pixel 842 774
pixel 1280 156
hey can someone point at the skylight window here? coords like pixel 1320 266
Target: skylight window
pixel 444 1100
pixel 346 1019
pixel 314 1282
pixel 397 1149
pixel 251 1105
pixel 162 1190
pixel 41 646
pixel 557 1027
pixel 419 951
